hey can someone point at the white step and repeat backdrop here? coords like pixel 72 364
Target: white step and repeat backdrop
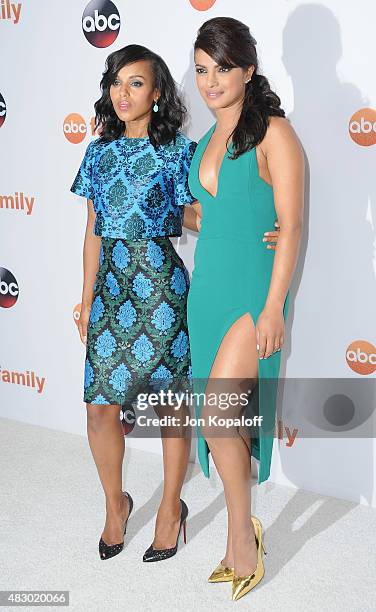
pixel 318 59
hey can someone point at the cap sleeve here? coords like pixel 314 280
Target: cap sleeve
pixel 82 184
pixel 181 189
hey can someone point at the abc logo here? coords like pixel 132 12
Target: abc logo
pixel 101 23
pixel 74 128
pixel 3 110
pixel 77 313
pixel 362 127
pixel 8 289
pixel 361 357
pixel 128 419
pixel 202 5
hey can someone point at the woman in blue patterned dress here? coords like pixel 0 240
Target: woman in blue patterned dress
pixel 133 314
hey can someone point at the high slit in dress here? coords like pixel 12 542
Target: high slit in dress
pixel 231 277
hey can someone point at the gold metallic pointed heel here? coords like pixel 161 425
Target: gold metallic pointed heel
pixel 222 574
pixel 241 585
pixel 258 529
pixel 226 574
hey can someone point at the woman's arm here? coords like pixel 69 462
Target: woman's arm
pixel 192 216
pixel 91 250
pixel 285 161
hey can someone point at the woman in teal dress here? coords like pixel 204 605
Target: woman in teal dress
pixel 246 170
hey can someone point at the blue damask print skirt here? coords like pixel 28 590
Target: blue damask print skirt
pixel 137 334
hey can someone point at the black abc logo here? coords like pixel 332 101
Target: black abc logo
pixel 128 419
pixel 101 23
pixel 8 289
pixel 3 110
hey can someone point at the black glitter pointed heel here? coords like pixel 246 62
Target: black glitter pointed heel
pixel 106 551
pixel 159 554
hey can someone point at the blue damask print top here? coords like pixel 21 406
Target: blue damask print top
pixel 137 191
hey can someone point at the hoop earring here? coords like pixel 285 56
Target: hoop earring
pixel 155 107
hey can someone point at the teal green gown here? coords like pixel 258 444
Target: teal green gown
pixel 231 276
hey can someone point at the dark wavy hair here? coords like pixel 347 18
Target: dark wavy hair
pixel 165 122
pixel 230 44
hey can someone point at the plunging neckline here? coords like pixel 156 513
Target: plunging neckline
pixel 210 134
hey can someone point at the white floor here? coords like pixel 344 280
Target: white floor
pixel 321 550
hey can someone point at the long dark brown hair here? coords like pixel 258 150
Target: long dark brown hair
pixel 171 114
pixel 230 44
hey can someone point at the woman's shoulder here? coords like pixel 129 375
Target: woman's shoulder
pixel 179 148
pixel 95 145
pixel 182 141
pixel 279 127
pixel 280 134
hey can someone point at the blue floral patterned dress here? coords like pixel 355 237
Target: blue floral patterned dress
pixel 137 334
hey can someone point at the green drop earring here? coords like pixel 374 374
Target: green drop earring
pixel 155 107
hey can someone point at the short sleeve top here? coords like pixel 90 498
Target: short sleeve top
pixel 137 191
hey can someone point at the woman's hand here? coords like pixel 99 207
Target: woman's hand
pixel 272 237
pixel 270 330
pixel 192 216
pixel 83 322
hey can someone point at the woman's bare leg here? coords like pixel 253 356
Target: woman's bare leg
pixel 176 443
pixel 175 463
pixel 106 440
pixel 237 359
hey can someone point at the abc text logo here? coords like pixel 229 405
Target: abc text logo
pixel 362 127
pixel 361 357
pixel 101 23
pixel 8 289
pixel 202 5
pixel 74 128
pixel 3 110
pixel 128 419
